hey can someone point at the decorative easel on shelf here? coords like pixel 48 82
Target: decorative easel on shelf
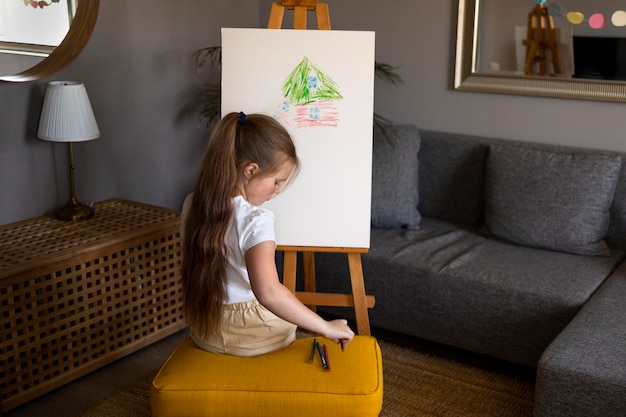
pixel 358 299
pixel 540 43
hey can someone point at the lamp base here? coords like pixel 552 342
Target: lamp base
pixel 74 211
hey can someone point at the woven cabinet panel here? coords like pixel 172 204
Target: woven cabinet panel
pixel 68 308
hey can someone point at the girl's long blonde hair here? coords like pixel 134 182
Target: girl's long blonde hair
pixel 237 140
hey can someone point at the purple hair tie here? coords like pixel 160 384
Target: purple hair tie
pixel 242 118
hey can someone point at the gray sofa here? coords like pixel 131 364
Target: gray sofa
pixel 509 249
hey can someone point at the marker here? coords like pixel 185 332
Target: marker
pixel 313 351
pixel 341 343
pixel 322 357
pixel 326 357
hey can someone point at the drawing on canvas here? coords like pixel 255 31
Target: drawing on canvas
pixel 309 98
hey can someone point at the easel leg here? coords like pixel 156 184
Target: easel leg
pixel 276 16
pixel 358 293
pixel 323 16
pixel 299 17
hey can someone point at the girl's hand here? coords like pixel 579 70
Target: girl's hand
pixel 339 331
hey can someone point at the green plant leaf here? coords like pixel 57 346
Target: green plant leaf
pixel 212 54
pixel 387 72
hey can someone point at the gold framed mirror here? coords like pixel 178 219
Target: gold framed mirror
pixel 79 33
pixel 468 76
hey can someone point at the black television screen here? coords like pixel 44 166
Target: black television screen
pixel 601 58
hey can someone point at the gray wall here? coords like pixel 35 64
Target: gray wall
pixel 138 73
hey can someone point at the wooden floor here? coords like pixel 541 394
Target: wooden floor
pixel 76 397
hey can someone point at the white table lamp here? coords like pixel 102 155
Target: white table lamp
pixel 67 116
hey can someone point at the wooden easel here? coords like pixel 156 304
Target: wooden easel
pixel 358 299
pixel 300 9
pixel 540 42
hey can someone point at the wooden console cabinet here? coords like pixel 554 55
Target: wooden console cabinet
pixel 75 296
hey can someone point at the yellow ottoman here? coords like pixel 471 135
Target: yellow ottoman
pixel 193 382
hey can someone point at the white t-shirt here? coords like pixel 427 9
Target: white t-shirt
pixel 249 226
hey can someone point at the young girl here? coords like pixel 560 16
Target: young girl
pixel 234 302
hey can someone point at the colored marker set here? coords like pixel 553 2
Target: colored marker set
pixel 323 353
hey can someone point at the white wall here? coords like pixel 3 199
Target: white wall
pixel 137 72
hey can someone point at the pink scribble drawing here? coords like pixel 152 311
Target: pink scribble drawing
pixel 310 98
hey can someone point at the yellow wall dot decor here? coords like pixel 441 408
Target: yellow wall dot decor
pixel 575 18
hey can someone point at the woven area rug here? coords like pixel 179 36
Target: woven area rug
pixel 415 384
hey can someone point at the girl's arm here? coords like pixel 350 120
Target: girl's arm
pixel 279 300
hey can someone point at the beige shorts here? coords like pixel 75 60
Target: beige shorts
pixel 248 329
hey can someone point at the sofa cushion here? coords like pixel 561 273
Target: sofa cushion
pixel 452 177
pixel 394 178
pixel 449 284
pixel 557 201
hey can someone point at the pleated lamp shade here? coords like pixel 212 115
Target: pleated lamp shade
pixel 66 115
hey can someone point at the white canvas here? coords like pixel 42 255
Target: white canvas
pixel 329 203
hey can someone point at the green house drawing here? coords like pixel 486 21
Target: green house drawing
pixel 308 84
pixel 309 98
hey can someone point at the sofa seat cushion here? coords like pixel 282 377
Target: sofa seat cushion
pixel 449 284
pixel 550 200
pixel 194 382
